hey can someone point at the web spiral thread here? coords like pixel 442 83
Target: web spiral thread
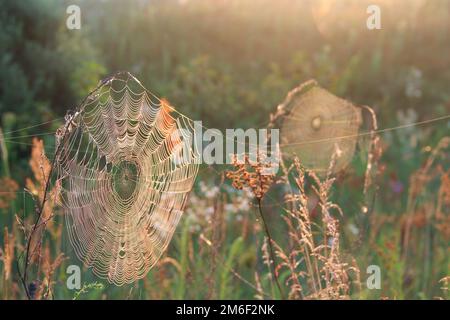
pixel 318 124
pixel 124 173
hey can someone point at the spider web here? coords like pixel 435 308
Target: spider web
pixel 124 173
pixel 317 122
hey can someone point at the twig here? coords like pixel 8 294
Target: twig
pixel 24 275
pixel 271 251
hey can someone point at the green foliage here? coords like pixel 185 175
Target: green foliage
pixel 87 288
pixel 235 249
pixel 181 289
pixel 229 64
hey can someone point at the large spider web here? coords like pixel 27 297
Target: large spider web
pixel 124 173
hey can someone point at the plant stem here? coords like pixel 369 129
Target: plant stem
pixel 4 153
pixel 23 276
pixel 271 251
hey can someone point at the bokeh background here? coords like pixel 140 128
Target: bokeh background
pixel 229 64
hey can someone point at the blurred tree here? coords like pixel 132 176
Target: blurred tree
pixel 38 59
pixel 45 68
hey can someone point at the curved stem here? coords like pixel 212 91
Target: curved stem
pixel 23 276
pixel 271 251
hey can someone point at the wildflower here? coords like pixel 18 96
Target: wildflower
pixel 413 83
pixel 396 185
pixel 32 288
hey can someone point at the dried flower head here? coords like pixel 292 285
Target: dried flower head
pixel 8 189
pixel 254 175
pixel 8 253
